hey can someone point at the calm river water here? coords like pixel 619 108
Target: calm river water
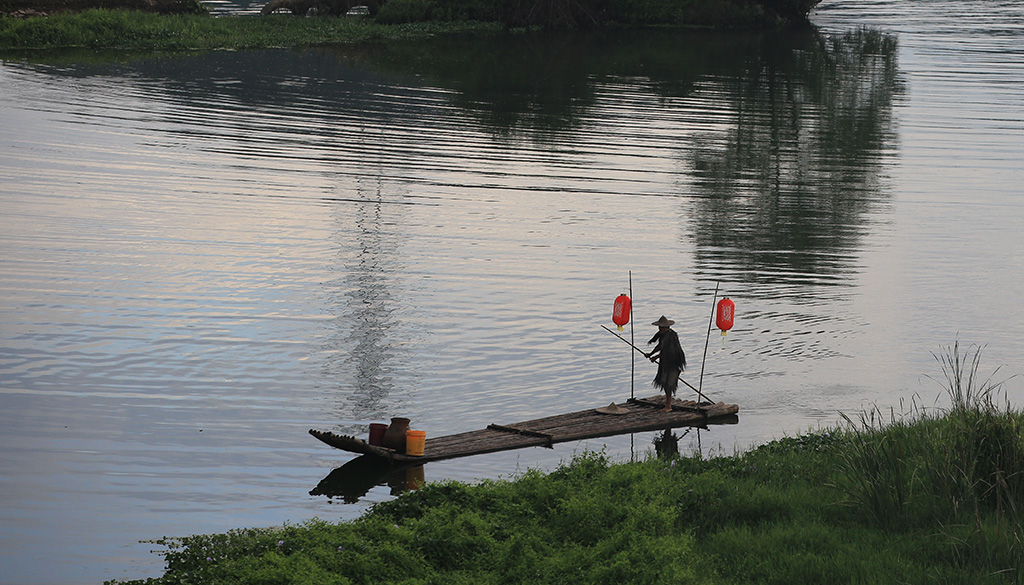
pixel 205 256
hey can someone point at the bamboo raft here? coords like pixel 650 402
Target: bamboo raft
pixel 638 415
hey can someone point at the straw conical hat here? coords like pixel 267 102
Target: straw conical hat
pixel 664 322
pixel 612 409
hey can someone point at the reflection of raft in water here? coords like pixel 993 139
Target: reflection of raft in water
pixel 356 478
pixel 635 415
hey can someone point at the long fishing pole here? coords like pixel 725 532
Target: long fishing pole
pixel 699 393
pixel 708 338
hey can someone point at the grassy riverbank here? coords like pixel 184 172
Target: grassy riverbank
pixel 52 24
pixel 141 31
pixel 928 497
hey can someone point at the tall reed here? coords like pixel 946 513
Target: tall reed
pixel 875 473
pixel 961 468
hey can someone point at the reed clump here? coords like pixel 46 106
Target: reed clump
pixel 921 497
pixel 958 470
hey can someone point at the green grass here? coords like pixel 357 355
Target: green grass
pixel 928 497
pixel 139 31
pixel 132 30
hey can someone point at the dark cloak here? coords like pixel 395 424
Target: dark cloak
pixel 671 360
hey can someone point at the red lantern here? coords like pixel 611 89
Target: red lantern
pixel 620 314
pixel 726 314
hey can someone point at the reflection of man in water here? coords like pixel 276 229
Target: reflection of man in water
pixel 670 357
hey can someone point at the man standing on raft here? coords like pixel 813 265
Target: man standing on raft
pixel 670 357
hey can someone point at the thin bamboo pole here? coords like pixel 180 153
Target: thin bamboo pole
pixel 632 356
pixel 700 383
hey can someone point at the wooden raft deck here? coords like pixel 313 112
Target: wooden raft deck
pixel 641 415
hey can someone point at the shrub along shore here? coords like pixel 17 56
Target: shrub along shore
pixel 135 31
pixel 181 25
pixel 921 497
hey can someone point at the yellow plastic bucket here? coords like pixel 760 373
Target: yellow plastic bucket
pixel 414 442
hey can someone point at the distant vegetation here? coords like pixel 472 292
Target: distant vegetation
pixel 597 13
pixel 925 497
pixel 186 24
pixel 28 8
pixel 143 31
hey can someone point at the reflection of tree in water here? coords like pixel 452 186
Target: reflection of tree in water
pixel 787 148
pixel 786 136
pixel 786 185
pixel 506 83
pixel 542 83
